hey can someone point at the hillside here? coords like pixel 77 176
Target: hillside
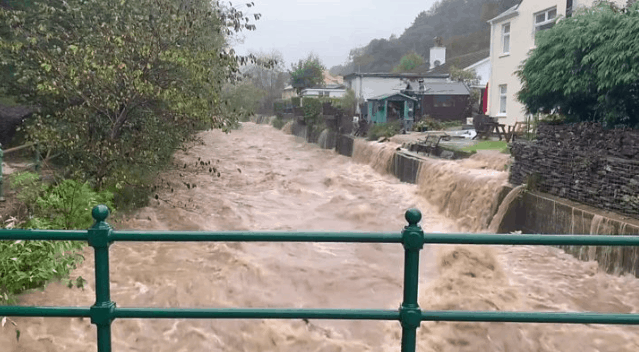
pixel 461 23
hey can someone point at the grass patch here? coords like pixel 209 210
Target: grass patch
pixel 502 146
pixel 384 130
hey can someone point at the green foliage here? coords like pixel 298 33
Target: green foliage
pixel 312 109
pixel 66 205
pixel 121 83
pixel 278 123
pixel 586 68
pixel 348 102
pixel 487 145
pixel 409 62
pixel 307 73
pixel 278 107
pixel 243 98
pixel 26 265
pixel 296 101
pixel 384 130
pixel 429 124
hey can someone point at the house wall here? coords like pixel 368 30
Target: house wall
pixel 482 69
pixel 369 87
pixel 521 42
pixel 333 93
pixel 452 113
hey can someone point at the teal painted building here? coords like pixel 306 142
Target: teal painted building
pixel 392 107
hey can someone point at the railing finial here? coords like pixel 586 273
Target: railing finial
pixel 100 213
pixel 413 216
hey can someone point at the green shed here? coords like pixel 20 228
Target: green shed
pixel 392 107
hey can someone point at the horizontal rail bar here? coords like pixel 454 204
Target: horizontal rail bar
pixel 15 149
pixel 545 240
pixel 240 236
pixel 270 236
pixel 327 314
pixel 59 312
pixel 44 235
pixel 257 313
pixel 532 317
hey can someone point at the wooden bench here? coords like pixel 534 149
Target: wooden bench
pixel 516 130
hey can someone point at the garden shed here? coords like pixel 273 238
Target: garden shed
pixel 392 107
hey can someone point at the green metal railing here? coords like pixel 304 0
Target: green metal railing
pixel 409 314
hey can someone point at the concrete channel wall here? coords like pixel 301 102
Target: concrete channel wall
pixel 532 213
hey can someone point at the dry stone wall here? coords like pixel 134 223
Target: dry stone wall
pixel 584 163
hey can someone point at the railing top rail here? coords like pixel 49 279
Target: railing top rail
pixel 316 236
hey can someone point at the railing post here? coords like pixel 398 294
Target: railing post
pixel 409 312
pixel 1 180
pixel 103 309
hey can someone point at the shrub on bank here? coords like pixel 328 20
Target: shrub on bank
pixel 67 205
pixel 278 123
pixel 384 130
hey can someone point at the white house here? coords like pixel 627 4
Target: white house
pixel 512 37
pixel 331 90
pixel 368 85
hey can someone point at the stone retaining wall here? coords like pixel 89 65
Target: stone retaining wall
pixel 583 163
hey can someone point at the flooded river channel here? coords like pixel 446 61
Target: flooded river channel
pixel 259 178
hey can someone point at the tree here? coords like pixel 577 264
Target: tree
pixel 121 83
pixel 271 80
pixel 409 62
pixel 307 73
pixel 469 78
pixel 586 67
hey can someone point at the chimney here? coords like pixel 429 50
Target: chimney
pixel 437 53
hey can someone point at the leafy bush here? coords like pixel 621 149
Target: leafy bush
pixel 585 67
pixel 26 265
pixel 295 101
pixel 312 109
pixel 278 107
pixel 30 264
pixel 384 130
pixel 65 206
pixel 278 123
pixel 431 124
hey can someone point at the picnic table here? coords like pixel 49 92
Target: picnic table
pixel 485 126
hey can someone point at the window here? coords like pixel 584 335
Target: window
pixel 505 38
pixel 545 19
pixel 502 99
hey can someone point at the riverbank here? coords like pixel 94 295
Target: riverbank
pixel 475 197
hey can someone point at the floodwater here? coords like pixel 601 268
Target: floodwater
pixel 259 178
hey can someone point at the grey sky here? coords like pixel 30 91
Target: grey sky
pixel 329 28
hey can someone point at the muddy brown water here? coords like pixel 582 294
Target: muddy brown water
pixel 269 180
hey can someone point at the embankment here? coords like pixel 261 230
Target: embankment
pixel 479 197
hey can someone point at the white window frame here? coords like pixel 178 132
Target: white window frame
pixel 546 21
pixel 505 38
pixel 503 98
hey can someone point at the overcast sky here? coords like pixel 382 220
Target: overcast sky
pixel 329 28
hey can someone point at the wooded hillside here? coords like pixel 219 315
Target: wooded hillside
pixel 461 23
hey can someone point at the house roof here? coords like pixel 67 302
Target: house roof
pixel 461 61
pixel 329 87
pixel 443 88
pixel 506 14
pixel 395 75
pixel 388 95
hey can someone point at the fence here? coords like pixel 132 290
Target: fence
pixel 409 314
